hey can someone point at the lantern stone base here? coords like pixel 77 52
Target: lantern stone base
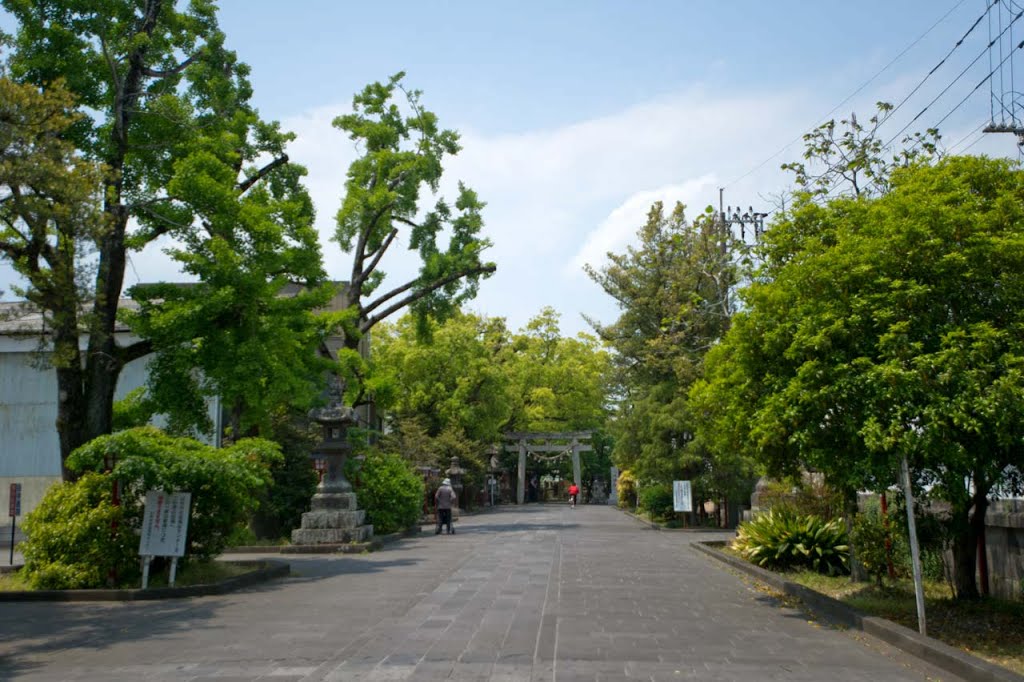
pixel 334 519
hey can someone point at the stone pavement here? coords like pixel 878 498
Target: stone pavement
pixel 518 594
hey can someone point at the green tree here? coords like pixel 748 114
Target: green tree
pixel 166 115
pixel 673 292
pixel 456 379
pixel 50 224
pixel 556 383
pixel 401 155
pixel 889 328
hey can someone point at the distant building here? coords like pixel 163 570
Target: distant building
pixel 29 447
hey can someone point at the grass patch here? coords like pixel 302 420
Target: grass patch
pixel 199 573
pixel 992 629
pixel 12 582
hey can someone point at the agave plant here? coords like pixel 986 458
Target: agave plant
pixel 784 539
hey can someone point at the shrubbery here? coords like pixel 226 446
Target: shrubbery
pixel 390 492
pixel 869 537
pixel 626 488
pixel 657 500
pixel 77 537
pixel 71 543
pixel 783 539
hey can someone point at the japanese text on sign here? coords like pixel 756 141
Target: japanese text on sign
pixel 15 504
pixel 681 498
pixel 164 524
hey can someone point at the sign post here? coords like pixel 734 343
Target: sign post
pixel 682 499
pixel 164 529
pixel 15 512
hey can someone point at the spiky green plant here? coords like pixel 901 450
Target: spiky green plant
pixel 783 539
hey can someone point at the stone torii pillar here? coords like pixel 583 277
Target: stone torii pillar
pixel 576 463
pixel 521 489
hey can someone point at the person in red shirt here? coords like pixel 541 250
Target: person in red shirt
pixel 574 491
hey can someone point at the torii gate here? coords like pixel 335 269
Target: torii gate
pixel 521 437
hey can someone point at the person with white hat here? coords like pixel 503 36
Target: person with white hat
pixel 444 501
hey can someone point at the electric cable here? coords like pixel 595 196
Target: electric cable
pixel 986 13
pixel 959 76
pixel 854 93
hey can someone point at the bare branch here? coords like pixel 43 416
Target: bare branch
pixel 369 323
pixel 376 259
pixel 244 186
pixel 155 73
pixel 139 349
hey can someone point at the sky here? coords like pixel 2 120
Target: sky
pixel 576 115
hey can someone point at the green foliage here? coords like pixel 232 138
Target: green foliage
pixel 149 100
pixel 869 537
pixel 401 156
pixel 293 481
pixel 885 328
pixel 627 490
pixel 224 484
pixel 673 289
pixel 785 540
pixel 135 409
pixel 657 500
pixel 390 492
pixel 76 537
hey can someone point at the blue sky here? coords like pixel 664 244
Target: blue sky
pixel 577 115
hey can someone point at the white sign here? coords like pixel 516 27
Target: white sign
pixel 164 524
pixel 681 499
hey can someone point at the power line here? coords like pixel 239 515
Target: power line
pixel 959 76
pixel 942 61
pixel 855 92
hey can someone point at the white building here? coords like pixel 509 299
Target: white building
pixel 29 447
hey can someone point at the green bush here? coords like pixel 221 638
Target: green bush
pixel 77 537
pixel 293 483
pixel 657 500
pixel 869 537
pixel 785 540
pixel 626 488
pixel 390 492
pixel 224 483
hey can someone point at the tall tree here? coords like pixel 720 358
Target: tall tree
pixel 160 94
pixel 403 153
pixel 673 289
pixel 893 330
pixel 50 222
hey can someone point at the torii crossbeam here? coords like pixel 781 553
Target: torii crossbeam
pixel 577 441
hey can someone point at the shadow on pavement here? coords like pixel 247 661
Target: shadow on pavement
pixel 42 628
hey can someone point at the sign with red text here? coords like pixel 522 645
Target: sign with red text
pixel 15 505
pixel 164 524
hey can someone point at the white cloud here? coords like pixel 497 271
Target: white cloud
pixel 621 225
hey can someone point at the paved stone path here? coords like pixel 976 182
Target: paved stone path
pixel 520 594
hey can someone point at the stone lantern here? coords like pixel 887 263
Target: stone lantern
pixel 335 517
pixel 454 472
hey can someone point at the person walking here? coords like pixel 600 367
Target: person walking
pixel 444 501
pixel 574 492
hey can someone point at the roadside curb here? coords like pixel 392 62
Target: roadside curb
pixel 375 543
pixel 930 650
pixel 657 526
pixel 270 569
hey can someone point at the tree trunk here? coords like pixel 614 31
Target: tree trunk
pixel 965 544
pixel 71 401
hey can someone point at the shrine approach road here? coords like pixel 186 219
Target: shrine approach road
pixel 539 592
